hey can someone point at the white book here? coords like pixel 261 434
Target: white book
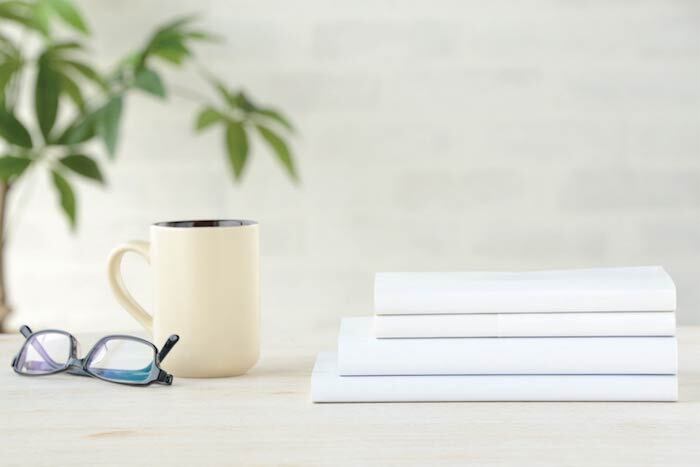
pixel 577 290
pixel 360 353
pixel 328 386
pixel 648 323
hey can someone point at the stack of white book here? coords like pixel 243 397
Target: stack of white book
pixel 569 335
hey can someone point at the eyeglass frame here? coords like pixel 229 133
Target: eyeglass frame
pixel 78 366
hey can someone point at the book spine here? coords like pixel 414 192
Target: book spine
pixel 650 388
pixel 425 301
pixel 327 386
pixel 601 290
pixel 526 325
pixel 516 355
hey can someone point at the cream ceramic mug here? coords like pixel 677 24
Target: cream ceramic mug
pixel 206 290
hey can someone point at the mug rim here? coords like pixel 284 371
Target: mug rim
pixel 205 223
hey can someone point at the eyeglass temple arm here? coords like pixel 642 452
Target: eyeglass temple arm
pixel 25 331
pixel 168 346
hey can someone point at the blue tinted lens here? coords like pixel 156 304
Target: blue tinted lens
pixel 128 376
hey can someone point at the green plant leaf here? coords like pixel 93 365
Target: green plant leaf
pixel 60 48
pixel 176 24
pixel 71 89
pixel 46 95
pixel 85 70
pixel 42 16
pixel 8 70
pixel 24 13
pixel 275 116
pixel 66 45
pixel 131 60
pixel 149 81
pixel 176 34
pixel 108 123
pixel 234 100
pixel 207 117
pixel 203 36
pixel 280 149
pixel 237 148
pixel 69 14
pixel 13 167
pixel 244 103
pixel 175 53
pixel 223 90
pixel 83 165
pixel 82 129
pixel 66 197
pixel 12 130
pixel 169 42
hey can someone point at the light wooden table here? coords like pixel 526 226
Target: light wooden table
pixel 266 418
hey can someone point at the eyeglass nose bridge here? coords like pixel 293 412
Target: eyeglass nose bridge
pixel 76 366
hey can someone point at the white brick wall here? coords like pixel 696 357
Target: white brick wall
pixel 434 136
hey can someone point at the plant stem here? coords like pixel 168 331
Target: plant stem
pixel 23 194
pixel 4 305
pixel 189 94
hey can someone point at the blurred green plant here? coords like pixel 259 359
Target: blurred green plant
pixel 76 105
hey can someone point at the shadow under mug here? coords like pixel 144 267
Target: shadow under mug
pixel 206 290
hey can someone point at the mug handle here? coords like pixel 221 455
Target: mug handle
pixel 117 282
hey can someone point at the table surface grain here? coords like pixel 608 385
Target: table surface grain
pixel 266 418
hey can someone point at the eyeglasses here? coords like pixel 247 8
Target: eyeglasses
pixel 116 358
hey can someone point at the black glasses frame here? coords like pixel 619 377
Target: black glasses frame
pixel 79 366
